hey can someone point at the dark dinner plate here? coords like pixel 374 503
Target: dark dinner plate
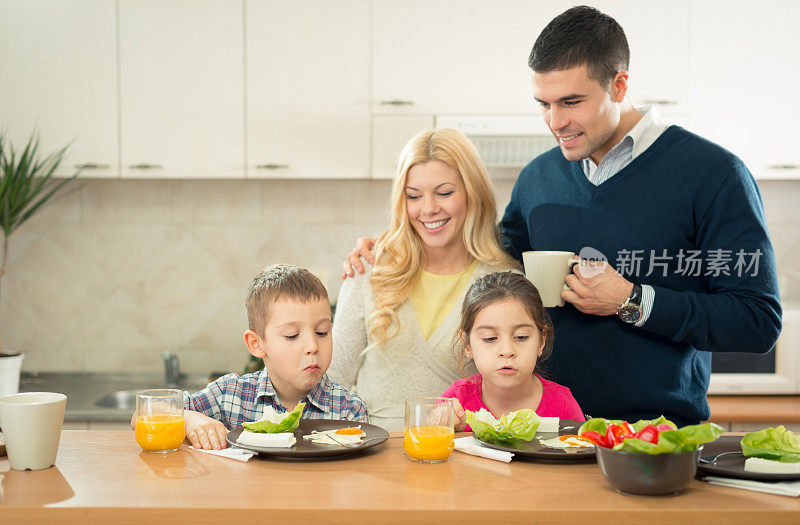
pixel 732 465
pixel 306 449
pixel 534 449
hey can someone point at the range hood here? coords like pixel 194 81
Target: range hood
pixel 504 141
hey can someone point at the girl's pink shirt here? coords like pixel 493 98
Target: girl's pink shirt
pixel 557 400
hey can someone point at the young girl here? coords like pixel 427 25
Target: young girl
pixel 506 332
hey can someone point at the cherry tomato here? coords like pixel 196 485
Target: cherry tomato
pixel 648 433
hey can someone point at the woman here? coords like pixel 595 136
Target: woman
pixel 396 324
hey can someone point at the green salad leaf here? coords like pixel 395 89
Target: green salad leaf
pixel 660 420
pixel 520 424
pixel 684 439
pixel 278 422
pixel 598 424
pixel 776 443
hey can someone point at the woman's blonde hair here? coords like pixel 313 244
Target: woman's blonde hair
pixel 399 252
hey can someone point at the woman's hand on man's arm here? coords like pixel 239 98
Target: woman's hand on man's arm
pixel 353 262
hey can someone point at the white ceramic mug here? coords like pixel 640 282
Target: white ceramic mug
pixel 548 272
pixel 10 367
pixel 32 423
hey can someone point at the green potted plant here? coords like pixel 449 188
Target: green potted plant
pixel 26 185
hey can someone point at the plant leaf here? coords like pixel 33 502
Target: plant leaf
pixel 26 181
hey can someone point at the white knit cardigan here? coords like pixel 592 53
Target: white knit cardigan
pixel 407 365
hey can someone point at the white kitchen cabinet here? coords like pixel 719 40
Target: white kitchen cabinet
pixel 308 89
pixel 181 88
pixel 389 134
pixel 453 56
pixel 59 76
pixel 658 37
pixel 743 76
pixel 468 57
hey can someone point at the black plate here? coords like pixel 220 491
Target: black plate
pixel 534 449
pixel 732 466
pixel 306 449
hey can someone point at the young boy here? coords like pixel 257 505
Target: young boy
pixel 290 329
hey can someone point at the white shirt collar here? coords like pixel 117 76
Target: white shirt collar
pixel 643 134
pixel 647 130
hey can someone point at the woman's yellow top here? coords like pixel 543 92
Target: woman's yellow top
pixel 433 296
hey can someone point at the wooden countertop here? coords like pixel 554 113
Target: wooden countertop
pixel 102 477
pixel 755 409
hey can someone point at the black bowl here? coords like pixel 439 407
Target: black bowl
pixel 647 474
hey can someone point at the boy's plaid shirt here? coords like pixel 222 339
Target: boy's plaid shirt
pixel 234 400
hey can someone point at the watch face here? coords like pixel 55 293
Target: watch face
pixel 630 313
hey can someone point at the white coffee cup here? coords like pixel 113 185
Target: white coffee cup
pixel 31 423
pixel 548 272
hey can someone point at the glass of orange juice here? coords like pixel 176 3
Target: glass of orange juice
pixel 159 420
pixel 428 436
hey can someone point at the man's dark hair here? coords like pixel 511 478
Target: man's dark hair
pixel 582 35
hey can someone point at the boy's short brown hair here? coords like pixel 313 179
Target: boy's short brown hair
pixel 274 282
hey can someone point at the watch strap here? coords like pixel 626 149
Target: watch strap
pixel 636 295
pixel 630 311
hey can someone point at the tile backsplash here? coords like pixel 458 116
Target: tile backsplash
pixel 112 274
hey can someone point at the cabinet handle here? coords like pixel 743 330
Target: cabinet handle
pixel 397 102
pixel 145 166
pixel 92 166
pixel 272 167
pixel 660 102
pixel 783 167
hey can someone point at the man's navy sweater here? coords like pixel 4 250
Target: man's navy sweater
pixel 681 195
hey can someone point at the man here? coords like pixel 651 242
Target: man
pixel 679 220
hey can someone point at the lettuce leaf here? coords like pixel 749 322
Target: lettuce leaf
pixel 661 420
pixel 278 422
pixel 684 439
pixel 520 424
pixel 776 443
pixel 598 424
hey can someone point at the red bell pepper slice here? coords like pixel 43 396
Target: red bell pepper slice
pixel 595 437
pixel 614 435
pixel 628 430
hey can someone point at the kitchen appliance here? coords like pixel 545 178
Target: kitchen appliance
pixel 512 141
pixel 504 141
pixel 777 372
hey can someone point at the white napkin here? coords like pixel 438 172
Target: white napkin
pixel 239 454
pixel 783 488
pixel 469 445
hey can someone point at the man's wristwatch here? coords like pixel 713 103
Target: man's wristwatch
pixel 630 311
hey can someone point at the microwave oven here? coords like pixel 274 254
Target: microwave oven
pixel 777 372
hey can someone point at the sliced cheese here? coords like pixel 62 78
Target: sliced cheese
pixel 769 466
pixel 548 424
pixel 262 439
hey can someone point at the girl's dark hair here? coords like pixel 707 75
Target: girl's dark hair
pixel 500 286
pixel 582 35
